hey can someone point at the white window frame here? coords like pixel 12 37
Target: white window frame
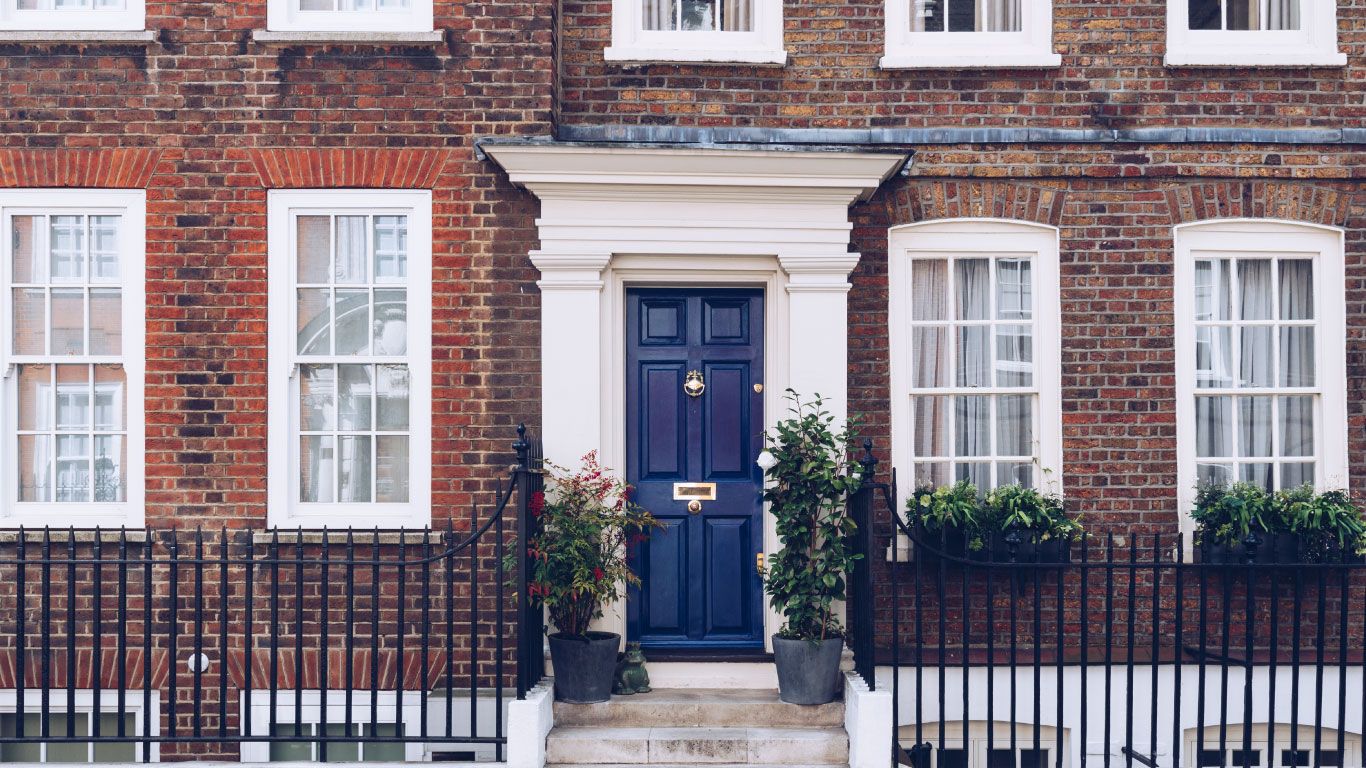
pixel 1232 238
pixel 987 238
pixel 1032 46
pixel 631 42
pixel 83 701
pixel 285 16
pixel 131 205
pixel 1314 44
pixel 256 710
pixel 1233 740
pixel 285 510
pixel 132 18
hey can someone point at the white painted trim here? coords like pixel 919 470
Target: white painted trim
pixel 256 706
pixel 1313 45
pixel 283 510
pixel 1229 238
pixel 83 700
pixel 285 16
pixel 1032 46
pixel 613 217
pixel 131 18
pixel 632 43
pixel 868 722
pixel 987 237
pixel 132 206
pixel 529 722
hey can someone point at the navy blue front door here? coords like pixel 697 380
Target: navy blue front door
pixel 699 585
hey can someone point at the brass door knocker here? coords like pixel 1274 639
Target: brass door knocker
pixel 693 384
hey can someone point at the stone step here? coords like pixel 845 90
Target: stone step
pixel 700 707
pixel 591 745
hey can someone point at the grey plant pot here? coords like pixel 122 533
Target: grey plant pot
pixel 584 666
pixel 808 673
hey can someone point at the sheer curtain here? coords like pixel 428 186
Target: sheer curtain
pixel 998 15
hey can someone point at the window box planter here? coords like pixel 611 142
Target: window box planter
pixel 953 543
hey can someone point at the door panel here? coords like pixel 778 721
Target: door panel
pixel 698 587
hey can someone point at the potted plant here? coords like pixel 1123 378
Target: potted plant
pixel 958 520
pixel 811 473
pixel 1287 526
pixel 578 564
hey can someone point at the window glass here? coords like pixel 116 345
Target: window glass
pixel 965 15
pixel 71 5
pixel 1256 411
pixel 1243 15
pixel 67 752
pixel 698 15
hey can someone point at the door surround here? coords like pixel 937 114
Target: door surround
pixel 625 215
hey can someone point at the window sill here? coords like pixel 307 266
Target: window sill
pixel 1239 57
pixel 78 37
pixel 642 55
pixel 272 37
pixel 969 61
pixel 81 536
pixel 361 537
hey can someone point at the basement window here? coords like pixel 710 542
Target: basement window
pixel 1252 33
pixel 969 33
pixel 72 15
pixel 356 726
pixel 349 16
pixel 69 720
pixel 699 31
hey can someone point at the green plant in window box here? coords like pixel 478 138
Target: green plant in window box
pixel 1291 525
pixel 959 520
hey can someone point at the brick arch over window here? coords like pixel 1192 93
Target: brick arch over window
pixel 349 168
pixel 81 168
pixel 929 200
pixel 1286 201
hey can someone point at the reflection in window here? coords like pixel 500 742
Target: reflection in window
pixel 698 15
pixel 965 15
pixel 1244 15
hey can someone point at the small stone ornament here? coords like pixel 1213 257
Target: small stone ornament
pixel 631 676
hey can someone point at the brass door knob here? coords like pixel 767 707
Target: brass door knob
pixel 694 506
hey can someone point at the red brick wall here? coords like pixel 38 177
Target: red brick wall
pixel 207 120
pixel 1112 76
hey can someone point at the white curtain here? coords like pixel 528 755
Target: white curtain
pixel 1281 14
pixel 1255 364
pixel 930 364
pixel 998 15
pixel 972 291
pixel 737 15
pixel 351 237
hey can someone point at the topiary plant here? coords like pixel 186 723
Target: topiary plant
pixel 811 472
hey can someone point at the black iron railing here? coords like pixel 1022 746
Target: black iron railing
pixel 326 644
pixel 1123 649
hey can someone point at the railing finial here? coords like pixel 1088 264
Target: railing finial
pixel 868 460
pixel 1250 544
pixel 523 447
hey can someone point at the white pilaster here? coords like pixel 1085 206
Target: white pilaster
pixel 818 308
pixel 572 352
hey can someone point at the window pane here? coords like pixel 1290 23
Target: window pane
pixel 342 752
pixel 68 752
pixel 974 356
pixel 1257 474
pixel 392 397
pixel 391 479
pixel 68 322
pixel 391 322
pixel 1255 363
pixel 1014 425
pixel 697 15
pixel 658 15
pixel 35 397
pixel 1015 473
pixel 929 289
pixel 1213 357
pixel 354 393
pixel 1297 474
pixel 1014 356
pixel 18 753
pixel 1254 289
pixel 935 474
pixel 1203 14
pixel 927 15
pixel 314 249
pixel 977 473
pixel 391 751
pixel 1213 426
pixel 66 249
pixel 1014 289
pixel 35 468
pixel 353 467
pixel 106 322
pixel 104 248
pixel 317 397
pixel 1297 426
pixel 1252 15
pixel 30 332
pixel 73 397
pixel 26 256
pixel 1297 357
pixel 351 237
pixel 111 399
pixel 930 356
pixel 316 5
pixel 973 414
pixel 353 322
pixel 1212 295
pixel 316 471
pixel 290 751
pixel 315 324
pixel 931 426
pixel 391 248
pixel 1297 289
pixel 1254 426
pixel 116 753
pixel 972 288
pixel 73 468
pixel 1214 474
pixel 111 463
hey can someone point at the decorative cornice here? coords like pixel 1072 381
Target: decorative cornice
pixel 818 273
pixel 570 271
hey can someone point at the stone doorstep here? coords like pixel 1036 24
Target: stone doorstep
pixel 700 707
pixel 589 745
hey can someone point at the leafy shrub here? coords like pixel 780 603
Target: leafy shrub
pixel 960 508
pixel 578 558
pixel 811 473
pixel 1328 525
